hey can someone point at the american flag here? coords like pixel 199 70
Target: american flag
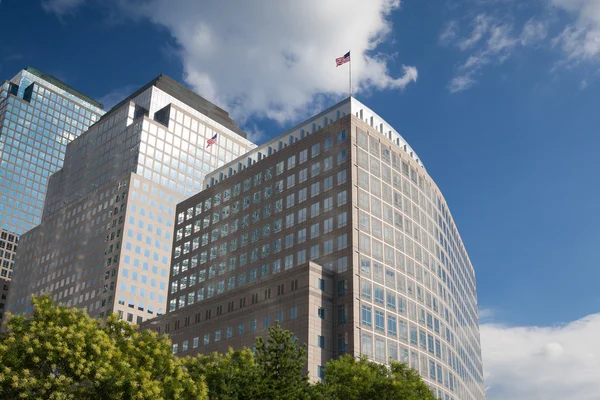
pixel 342 60
pixel 212 140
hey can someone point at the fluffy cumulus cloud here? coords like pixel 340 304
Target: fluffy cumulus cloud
pixel 489 40
pixel 542 363
pixel 274 59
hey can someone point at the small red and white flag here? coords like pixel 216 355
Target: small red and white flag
pixel 211 141
pixel 342 60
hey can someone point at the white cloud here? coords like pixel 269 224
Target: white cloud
pixel 274 58
pixel 460 83
pixel 255 134
pixel 486 314
pixel 501 39
pixel 481 25
pixel 491 41
pixel 61 7
pixel 542 363
pixel 449 33
pixel 534 31
pixel 580 40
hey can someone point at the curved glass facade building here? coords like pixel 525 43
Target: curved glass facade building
pixel 336 230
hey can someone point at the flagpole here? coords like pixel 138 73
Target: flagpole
pixel 350 73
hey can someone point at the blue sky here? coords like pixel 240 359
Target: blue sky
pixel 498 97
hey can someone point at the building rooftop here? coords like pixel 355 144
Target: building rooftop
pixel 57 82
pixel 348 106
pixel 187 96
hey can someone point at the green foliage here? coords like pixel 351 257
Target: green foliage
pixel 282 363
pixel 351 379
pixel 229 376
pixel 60 353
pixel 275 371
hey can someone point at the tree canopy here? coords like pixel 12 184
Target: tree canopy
pixel 60 353
pixel 351 379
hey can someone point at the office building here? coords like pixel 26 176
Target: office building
pixel 336 230
pixel 39 115
pixel 104 242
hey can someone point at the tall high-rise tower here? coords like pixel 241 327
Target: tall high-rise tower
pixel 336 230
pixel 39 115
pixel 104 243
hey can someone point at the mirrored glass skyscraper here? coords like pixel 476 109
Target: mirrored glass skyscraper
pixel 39 115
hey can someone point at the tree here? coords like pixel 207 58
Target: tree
pixel 61 353
pixel 351 379
pixel 229 376
pixel 281 365
pixel 276 371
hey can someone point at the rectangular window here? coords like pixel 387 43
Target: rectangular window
pixel 302 235
pixel 342 219
pixel 366 314
pixel 289 220
pixel 315 150
pixel 341 177
pixel 379 320
pixel 302 215
pixel 378 292
pixel 315 169
pixel 302 195
pixel 365 289
pixel 315 189
pixel 301 257
pixel 289 261
pixel 291 181
pixel 291 162
pixel 328 204
pixel 279 168
pixel 328 163
pixel 379 349
pixel 367 345
pixel 314 252
pixel 315 210
pixel 303 156
pixel 303 175
pixel 391 300
pixel 314 230
pixel 290 200
pixel 328 247
pixel 342 156
pixel 392 325
pixel 342 198
pixel 328 183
